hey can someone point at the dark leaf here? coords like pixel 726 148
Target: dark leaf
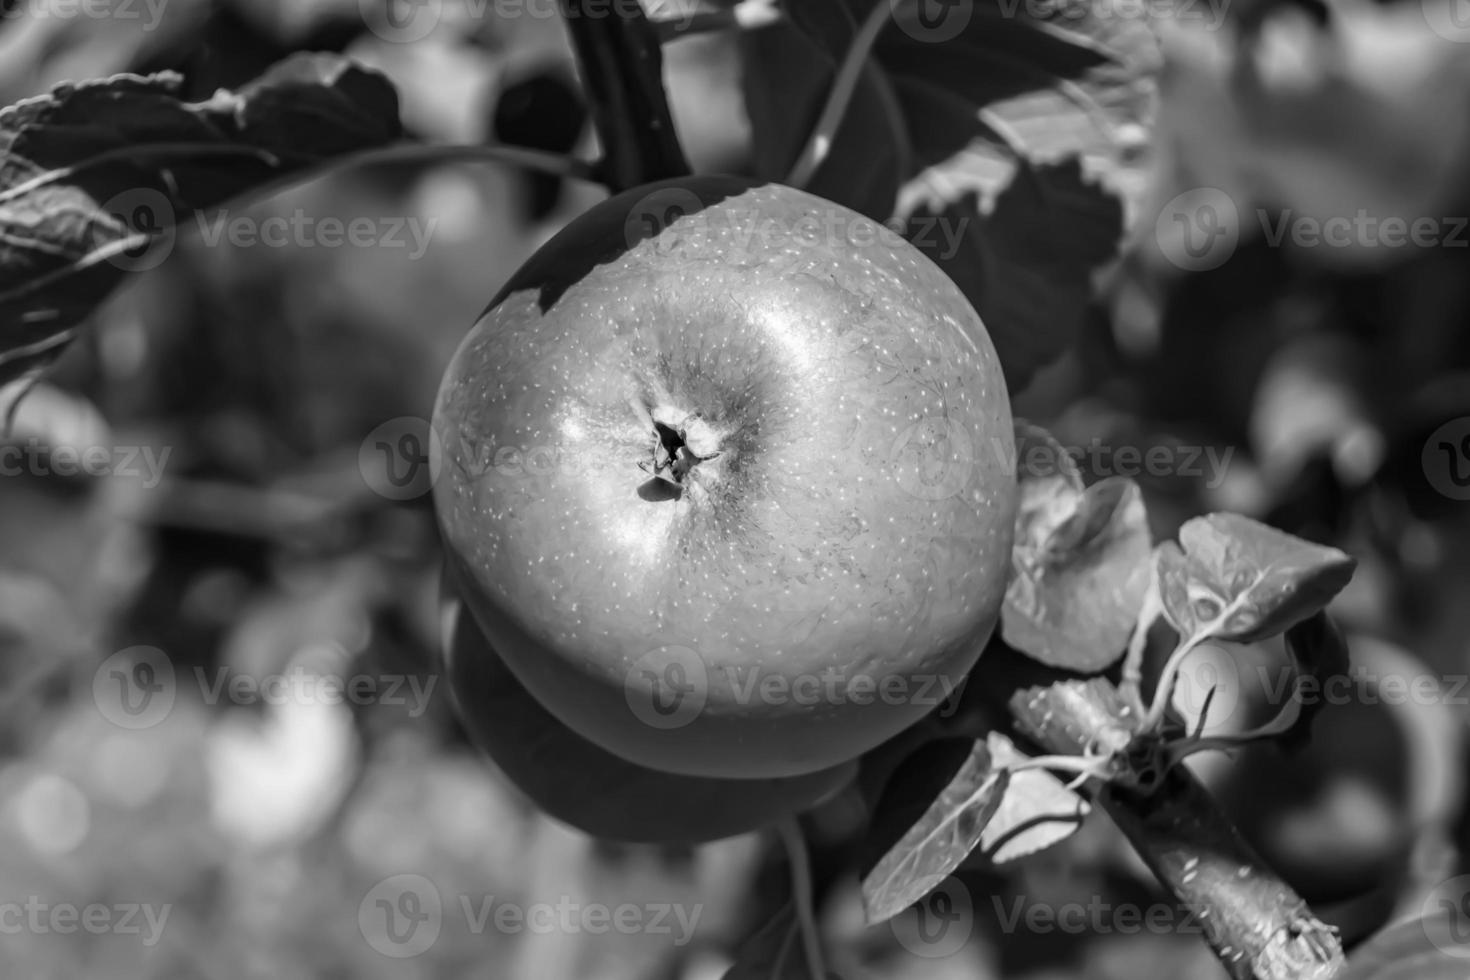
pixel 1435 947
pixel 1261 580
pixel 943 837
pixel 773 953
pixel 789 68
pixel 1019 135
pixel 1321 652
pixel 1080 560
pixel 94 174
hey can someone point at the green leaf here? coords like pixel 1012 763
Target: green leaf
pixel 1260 580
pixel 94 172
pixel 942 838
pixel 1321 652
pixel 788 69
pixel 773 953
pixel 1018 136
pixel 1435 947
pixel 1036 811
pixel 1080 560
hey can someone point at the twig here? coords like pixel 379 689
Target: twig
pixel 819 143
pixel 622 77
pixel 1258 927
pixel 801 895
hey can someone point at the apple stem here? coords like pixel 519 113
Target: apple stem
pixel 801 894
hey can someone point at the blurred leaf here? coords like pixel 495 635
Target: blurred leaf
pixel 1080 560
pixel 1036 810
pixel 1017 138
pixel 1412 950
pixel 1268 580
pixel 1367 115
pixel 1321 652
pixel 773 953
pixel 943 837
pixel 95 171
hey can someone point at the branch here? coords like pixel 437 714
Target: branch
pixel 1258 927
pixel 622 77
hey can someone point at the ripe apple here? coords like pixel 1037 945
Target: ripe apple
pixel 725 471
pixel 588 787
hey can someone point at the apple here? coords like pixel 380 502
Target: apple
pixel 583 785
pixel 725 471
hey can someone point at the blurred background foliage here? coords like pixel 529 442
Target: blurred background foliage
pixel 263 550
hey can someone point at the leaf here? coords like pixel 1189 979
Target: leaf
pixel 1080 560
pixel 1365 115
pixel 1020 143
pixel 789 68
pixel 941 839
pixel 773 953
pixel 1321 652
pixel 1036 810
pixel 92 172
pixel 1434 947
pixel 1267 580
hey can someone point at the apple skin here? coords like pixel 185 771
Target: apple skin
pixel 810 592
pixel 580 784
